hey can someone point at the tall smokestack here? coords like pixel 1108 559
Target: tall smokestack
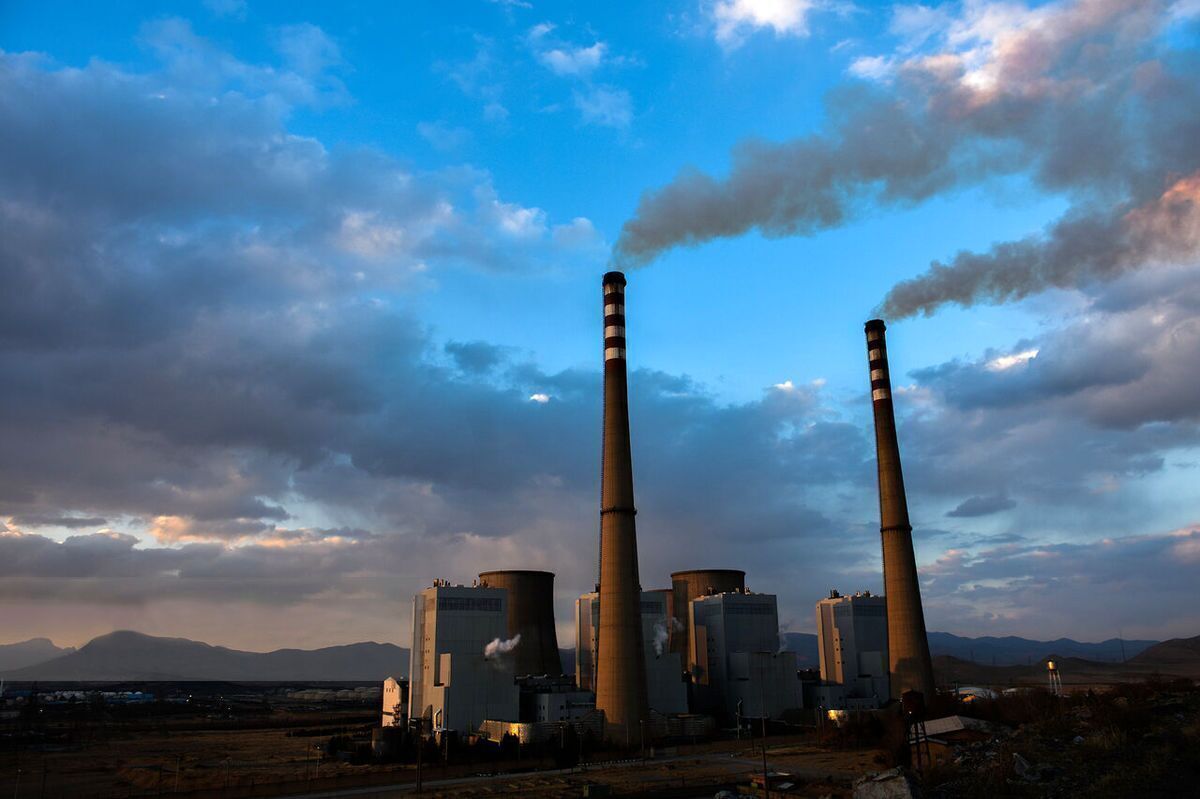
pixel 620 666
pixel 908 645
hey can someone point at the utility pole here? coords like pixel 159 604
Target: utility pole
pixel 418 721
pixel 762 700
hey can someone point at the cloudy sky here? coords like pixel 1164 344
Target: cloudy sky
pixel 301 305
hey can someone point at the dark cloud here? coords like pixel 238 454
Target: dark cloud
pixel 1086 97
pixel 1153 574
pixel 982 506
pixel 69 522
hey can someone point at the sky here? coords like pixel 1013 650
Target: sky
pixel 302 305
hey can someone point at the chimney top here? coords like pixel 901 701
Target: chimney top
pixel 614 277
pixel 876 324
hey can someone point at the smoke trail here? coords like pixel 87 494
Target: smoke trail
pixel 660 636
pixel 1088 246
pixel 498 647
pixel 1087 98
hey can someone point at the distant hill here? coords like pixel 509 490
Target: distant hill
pixel 988 650
pixel 1177 656
pixel 1013 651
pixel 28 653
pixel 126 655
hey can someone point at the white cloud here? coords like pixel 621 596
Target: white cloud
pixel 227 8
pixel 874 67
pixel 363 234
pixel 443 137
pixel 605 105
pixel 916 24
pixel 1009 361
pixel 541 399
pixel 735 18
pixel 573 61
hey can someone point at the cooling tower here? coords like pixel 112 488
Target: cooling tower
pixel 908 646
pixel 620 667
pixel 686 586
pixel 530 615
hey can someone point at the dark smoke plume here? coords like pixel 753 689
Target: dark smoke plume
pixel 1093 99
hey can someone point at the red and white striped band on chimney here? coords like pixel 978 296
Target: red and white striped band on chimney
pixel 614 318
pixel 881 384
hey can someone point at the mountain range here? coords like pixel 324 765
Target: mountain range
pixel 126 655
pixel 1178 657
pixel 1007 651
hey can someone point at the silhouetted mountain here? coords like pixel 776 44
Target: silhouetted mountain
pixel 1176 656
pixel 989 650
pixel 28 653
pixel 1013 651
pixel 126 655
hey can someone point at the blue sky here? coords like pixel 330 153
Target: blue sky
pixel 311 289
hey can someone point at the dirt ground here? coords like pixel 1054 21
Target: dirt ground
pixel 151 759
pixel 148 758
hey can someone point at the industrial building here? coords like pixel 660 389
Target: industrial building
pixel 852 647
pixel 909 664
pixel 553 699
pixel 735 662
pixel 462 669
pixel 395 703
pixel 686 586
pixel 666 689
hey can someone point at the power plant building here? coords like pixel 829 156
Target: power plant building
pixel 735 660
pixel 395 703
pixel 686 586
pixel 909 665
pixel 853 646
pixel 462 669
pixel 665 687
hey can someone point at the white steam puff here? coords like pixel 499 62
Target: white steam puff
pixel 660 636
pixel 1087 98
pixel 498 647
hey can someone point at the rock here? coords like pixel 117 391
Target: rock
pixel 894 783
pixel 1024 768
pixel 1078 739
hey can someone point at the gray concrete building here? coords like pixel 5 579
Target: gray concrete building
pixel 735 659
pixel 461 671
pixel 852 644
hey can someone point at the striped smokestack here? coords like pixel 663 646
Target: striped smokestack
pixel 620 664
pixel 908 646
